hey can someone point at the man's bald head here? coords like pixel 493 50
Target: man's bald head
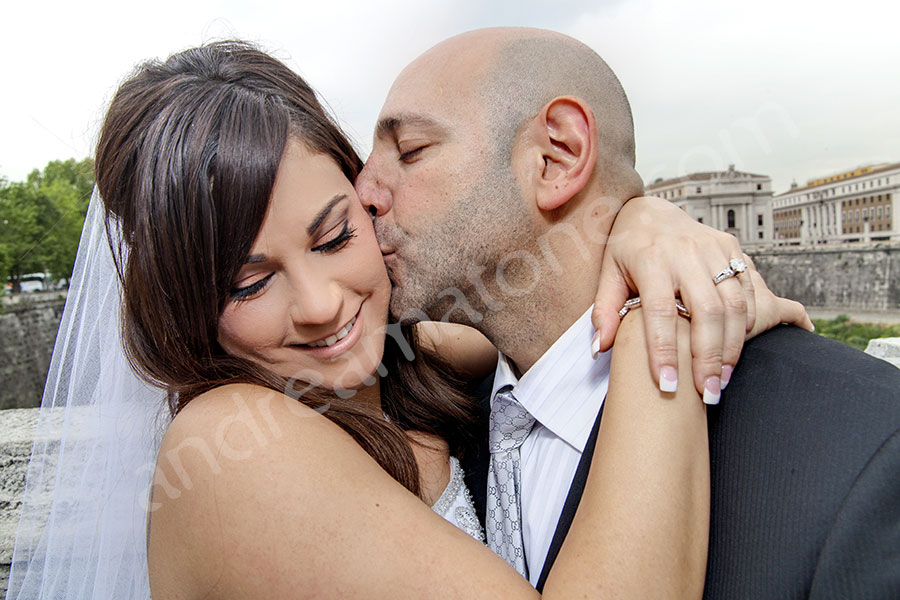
pixel 513 72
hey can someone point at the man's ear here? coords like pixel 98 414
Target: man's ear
pixel 565 135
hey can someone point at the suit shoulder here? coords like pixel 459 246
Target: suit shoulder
pixel 788 350
pixel 820 397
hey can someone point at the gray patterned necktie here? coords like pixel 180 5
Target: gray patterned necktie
pixel 510 424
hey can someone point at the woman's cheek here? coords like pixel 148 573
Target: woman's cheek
pixel 248 325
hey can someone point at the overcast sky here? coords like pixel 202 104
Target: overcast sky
pixel 791 89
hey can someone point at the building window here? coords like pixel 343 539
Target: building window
pixel 759 186
pixel 887 211
pixel 759 234
pixel 730 219
pixel 698 190
pixel 856 219
pixel 700 220
pixel 879 212
pixel 759 220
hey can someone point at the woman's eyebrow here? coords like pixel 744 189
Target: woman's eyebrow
pixel 323 214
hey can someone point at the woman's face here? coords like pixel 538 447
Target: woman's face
pixel 311 300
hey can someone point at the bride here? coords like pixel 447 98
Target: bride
pixel 280 440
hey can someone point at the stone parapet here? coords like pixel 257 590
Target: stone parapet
pixel 887 349
pixel 17 427
pixel 864 277
pixel 18 432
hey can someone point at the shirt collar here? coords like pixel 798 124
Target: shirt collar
pixel 565 388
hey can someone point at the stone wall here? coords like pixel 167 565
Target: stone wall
pixel 28 327
pixel 865 279
pixel 17 429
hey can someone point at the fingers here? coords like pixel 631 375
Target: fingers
pixel 734 297
pixel 739 315
pixel 663 258
pixel 772 310
pixel 611 296
pixel 795 313
pixel 707 335
pixel 749 293
pixel 652 277
pixel 660 322
pixel 659 314
pixel 748 260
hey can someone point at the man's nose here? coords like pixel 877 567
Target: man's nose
pixel 374 195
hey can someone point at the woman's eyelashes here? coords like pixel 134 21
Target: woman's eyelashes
pixel 334 244
pixel 243 293
pixel 346 234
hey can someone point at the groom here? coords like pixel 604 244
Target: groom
pixel 805 447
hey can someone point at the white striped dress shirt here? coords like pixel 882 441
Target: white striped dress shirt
pixel 563 391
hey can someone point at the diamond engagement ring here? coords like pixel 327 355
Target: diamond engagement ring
pixel 735 267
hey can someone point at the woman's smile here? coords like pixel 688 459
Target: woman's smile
pixel 337 343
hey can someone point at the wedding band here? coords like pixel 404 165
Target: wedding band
pixel 636 302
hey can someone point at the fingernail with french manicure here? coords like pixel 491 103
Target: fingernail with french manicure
pixel 595 345
pixel 712 390
pixel 727 370
pixel 668 379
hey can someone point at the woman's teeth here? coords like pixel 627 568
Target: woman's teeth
pixel 331 340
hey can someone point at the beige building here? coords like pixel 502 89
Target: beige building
pixel 854 206
pixel 733 201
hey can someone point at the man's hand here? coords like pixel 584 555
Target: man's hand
pixel 657 251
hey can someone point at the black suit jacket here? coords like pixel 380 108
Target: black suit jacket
pixel 805 467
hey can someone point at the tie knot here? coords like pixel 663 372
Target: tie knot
pixel 510 422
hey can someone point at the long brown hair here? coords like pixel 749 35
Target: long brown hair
pixel 186 165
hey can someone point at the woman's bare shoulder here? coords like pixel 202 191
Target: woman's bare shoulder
pixel 258 498
pixel 240 429
pixel 228 454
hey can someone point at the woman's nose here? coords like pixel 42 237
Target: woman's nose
pixel 318 301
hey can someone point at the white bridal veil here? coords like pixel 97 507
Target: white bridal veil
pixel 82 530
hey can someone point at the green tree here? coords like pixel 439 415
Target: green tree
pixel 26 215
pixel 68 185
pixel 41 219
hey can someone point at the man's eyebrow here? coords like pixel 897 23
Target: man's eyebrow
pixel 323 214
pixel 388 126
